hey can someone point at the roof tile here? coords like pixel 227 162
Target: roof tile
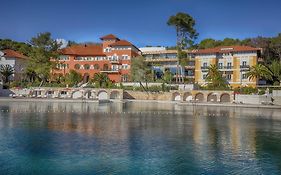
pixel 9 53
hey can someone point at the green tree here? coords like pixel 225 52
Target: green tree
pixel 185 32
pixel 214 78
pixel 43 49
pixel 101 80
pixel 6 71
pixel 259 71
pixel 73 78
pixel 207 43
pixel 276 47
pixel 21 47
pixel 275 69
pixel 141 71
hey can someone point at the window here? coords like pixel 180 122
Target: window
pixel 220 65
pixel 229 65
pixel 228 76
pixel 86 66
pixel 205 65
pixel 107 49
pixel 204 76
pixel 244 63
pixel 125 57
pixel 125 78
pixel 244 76
pixel 64 57
pixel 62 66
pixel 96 66
pixel 125 66
pixel 77 66
pixel 105 67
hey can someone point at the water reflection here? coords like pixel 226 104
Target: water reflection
pixel 138 138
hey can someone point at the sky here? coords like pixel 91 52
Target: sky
pixel 142 22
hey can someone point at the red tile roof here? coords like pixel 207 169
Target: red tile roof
pixel 122 43
pixel 226 49
pixel 84 50
pixel 9 53
pixel 110 36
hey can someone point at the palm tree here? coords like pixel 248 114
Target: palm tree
pixel 186 34
pixel 6 71
pixel 275 69
pixel 215 78
pixel 102 79
pixel 259 71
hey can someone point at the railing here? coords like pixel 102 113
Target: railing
pixel 244 66
pixel 110 70
pixel 160 59
pixel 204 67
pixel 226 67
pixel 114 61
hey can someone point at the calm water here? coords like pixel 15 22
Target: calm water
pixel 137 138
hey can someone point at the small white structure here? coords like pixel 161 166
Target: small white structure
pixel 16 60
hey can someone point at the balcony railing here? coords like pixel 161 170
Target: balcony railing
pixel 114 61
pixel 204 67
pixel 225 67
pixel 110 70
pixel 244 66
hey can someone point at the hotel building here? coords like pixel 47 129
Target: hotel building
pixel 112 57
pixel 233 61
pixel 162 60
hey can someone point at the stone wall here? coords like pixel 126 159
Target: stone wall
pixel 277 96
pixel 253 99
pixel 137 95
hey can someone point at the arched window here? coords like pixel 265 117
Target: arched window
pixel 86 66
pixel 105 67
pixel 125 78
pixel 96 66
pixel 77 66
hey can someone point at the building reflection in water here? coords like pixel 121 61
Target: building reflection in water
pixel 210 132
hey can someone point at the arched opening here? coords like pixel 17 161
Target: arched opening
pixel 86 66
pixel 105 67
pixel 96 66
pixel 115 95
pixel 86 78
pixel 87 94
pixel 93 95
pixel 225 98
pixel 176 96
pixel 77 95
pixel 77 66
pixel 187 96
pixel 212 97
pixel 199 97
pixel 102 95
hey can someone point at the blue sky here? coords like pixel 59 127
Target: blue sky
pixel 142 22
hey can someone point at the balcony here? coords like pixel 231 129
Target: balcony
pixel 204 68
pixel 110 71
pixel 226 67
pixel 114 61
pixel 244 66
pixel 161 59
